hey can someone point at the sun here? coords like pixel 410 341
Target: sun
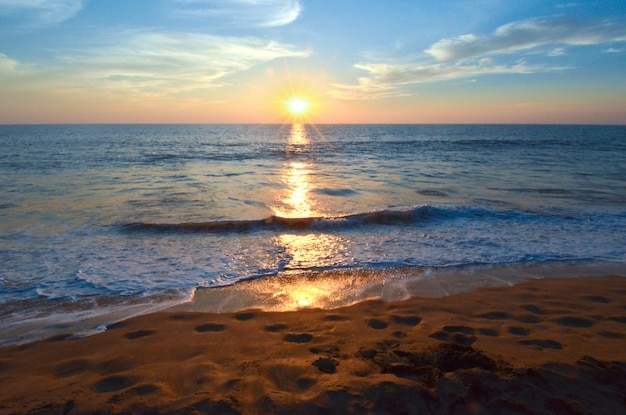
pixel 297 106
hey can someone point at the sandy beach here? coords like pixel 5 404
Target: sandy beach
pixel 542 347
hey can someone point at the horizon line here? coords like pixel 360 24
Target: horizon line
pixel 311 123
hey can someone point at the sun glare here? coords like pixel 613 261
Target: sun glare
pixel 297 106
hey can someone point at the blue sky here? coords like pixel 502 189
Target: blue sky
pixel 355 61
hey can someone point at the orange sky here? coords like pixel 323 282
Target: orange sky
pixel 449 61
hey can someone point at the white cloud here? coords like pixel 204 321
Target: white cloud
pixel 528 34
pixel 172 63
pixel 386 80
pixel 41 12
pixel 262 13
pixel 471 56
pixel 556 52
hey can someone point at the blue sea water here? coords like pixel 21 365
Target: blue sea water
pixel 118 220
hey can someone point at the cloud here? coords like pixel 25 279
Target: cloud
pixel 386 80
pixel 166 64
pixel 41 12
pixel 8 66
pixel 263 13
pixel 557 52
pixel 471 56
pixel 528 34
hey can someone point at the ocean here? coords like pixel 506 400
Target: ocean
pixel 99 223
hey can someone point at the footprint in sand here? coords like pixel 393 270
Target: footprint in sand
pixel 210 327
pixel 377 324
pixel 139 334
pixel 461 335
pixel 305 383
pixel 113 384
pixel 406 320
pixel 335 317
pixel 298 338
pixel 533 309
pixel 326 365
pixel 597 299
pixel 329 350
pixel 441 336
pixel 518 331
pixel 575 322
pixel 274 328
pixel 245 316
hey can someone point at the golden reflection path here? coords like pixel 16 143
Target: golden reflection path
pixel 306 251
pixel 295 201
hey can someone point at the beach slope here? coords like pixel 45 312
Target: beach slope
pixel 543 346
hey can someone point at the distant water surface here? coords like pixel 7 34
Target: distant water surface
pixel 128 218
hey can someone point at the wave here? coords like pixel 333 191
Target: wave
pixel 417 215
pixel 385 217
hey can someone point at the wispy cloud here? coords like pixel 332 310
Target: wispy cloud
pixel 528 34
pixel 470 55
pixel 386 80
pixel 264 13
pixel 8 66
pixel 41 12
pixel 166 64
pixel 556 52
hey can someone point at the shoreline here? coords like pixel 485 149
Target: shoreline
pixel 538 346
pixel 345 287
pixel 287 292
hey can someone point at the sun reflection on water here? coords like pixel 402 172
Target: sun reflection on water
pixel 295 201
pixel 298 135
pixel 306 250
pixel 310 251
pixel 297 179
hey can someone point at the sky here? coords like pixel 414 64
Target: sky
pixel 352 61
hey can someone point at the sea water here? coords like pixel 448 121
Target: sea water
pixel 118 220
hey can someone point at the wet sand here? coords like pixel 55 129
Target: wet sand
pixel 542 346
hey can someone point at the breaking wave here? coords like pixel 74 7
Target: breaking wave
pixel 417 215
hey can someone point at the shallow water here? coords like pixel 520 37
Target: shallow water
pixel 137 217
